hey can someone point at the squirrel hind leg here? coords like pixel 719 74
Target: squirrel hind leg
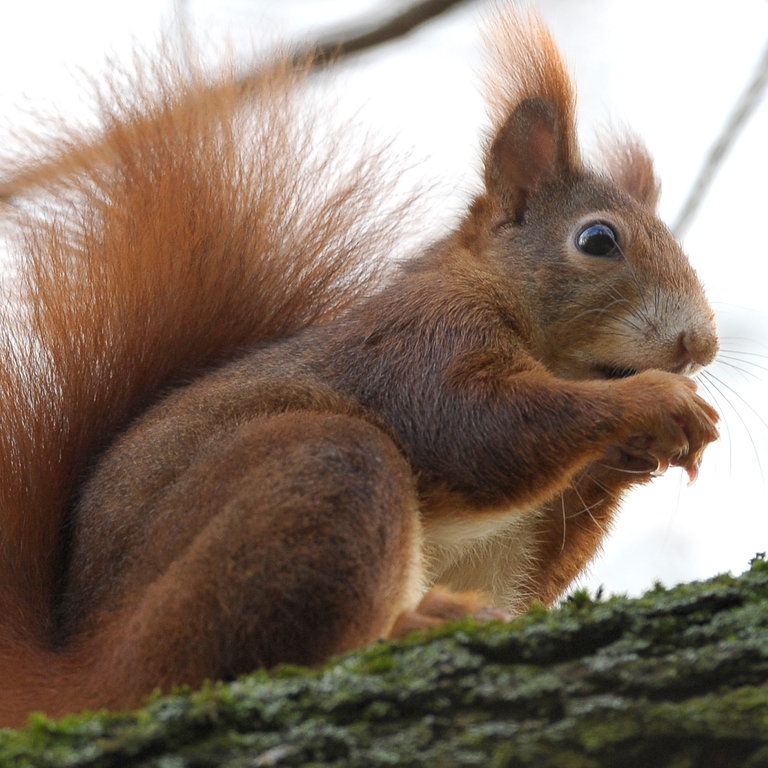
pixel 314 551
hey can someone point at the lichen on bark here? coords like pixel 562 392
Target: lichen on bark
pixel 678 677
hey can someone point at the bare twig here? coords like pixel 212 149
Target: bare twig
pixel 318 55
pixel 743 110
pixel 377 33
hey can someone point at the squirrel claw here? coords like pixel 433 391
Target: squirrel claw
pixel 693 472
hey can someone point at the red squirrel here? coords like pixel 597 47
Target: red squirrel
pixel 230 440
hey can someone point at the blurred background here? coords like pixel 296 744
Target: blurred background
pixel 686 76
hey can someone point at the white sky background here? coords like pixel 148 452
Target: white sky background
pixel 670 70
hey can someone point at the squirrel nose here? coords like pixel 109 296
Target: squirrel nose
pixel 696 348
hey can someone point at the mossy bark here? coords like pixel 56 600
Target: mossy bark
pixel 676 678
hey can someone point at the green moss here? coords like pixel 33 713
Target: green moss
pixel 675 678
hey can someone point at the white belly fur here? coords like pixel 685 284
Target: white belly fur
pixel 491 553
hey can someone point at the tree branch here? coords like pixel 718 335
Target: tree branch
pixel 677 677
pixel 363 38
pixel 745 107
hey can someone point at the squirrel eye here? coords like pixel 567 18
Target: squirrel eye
pixel 598 240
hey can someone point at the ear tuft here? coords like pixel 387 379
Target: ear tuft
pixel 630 167
pixel 532 102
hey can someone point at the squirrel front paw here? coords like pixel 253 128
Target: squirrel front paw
pixel 668 424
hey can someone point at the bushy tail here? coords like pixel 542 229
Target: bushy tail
pixel 202 218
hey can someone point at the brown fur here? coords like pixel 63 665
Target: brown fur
pixel 232 444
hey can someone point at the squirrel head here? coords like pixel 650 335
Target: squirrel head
pixel 603 287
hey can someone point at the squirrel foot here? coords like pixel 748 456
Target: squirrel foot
pixel 441 605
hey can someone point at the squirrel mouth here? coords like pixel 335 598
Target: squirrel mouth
pixel 614 372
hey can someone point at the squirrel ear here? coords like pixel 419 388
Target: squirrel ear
pixel 523 155
pixel 630 167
